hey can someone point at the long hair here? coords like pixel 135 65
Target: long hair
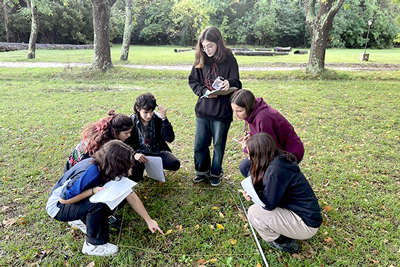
pixel 145 101
pixel 244 99
pixel 262 150
pixel 104 130
pixel 114 159
pixel 214 35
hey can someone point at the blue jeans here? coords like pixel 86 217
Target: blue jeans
pixel 207 130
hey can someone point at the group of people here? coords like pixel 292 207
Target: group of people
pixel 119 145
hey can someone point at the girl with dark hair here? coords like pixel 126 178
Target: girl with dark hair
pixel 69 198
pixel 114 126
pixel 213 113
pixel 291 209
pixel 260 117
pixel 150 135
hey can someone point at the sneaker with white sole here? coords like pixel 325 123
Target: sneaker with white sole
pixel 78 224
pixel 99 250
pixel 215 181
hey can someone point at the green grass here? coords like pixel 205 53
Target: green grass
pixel 349 123
pixel 165 55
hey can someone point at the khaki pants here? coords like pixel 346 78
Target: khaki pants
pixel 270 224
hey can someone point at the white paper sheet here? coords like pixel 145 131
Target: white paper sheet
pixel 154 168
pixel 247 185
pixel 115 192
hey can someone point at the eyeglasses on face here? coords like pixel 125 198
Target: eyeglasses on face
pixel 207 47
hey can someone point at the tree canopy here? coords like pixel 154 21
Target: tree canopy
pixel 178 22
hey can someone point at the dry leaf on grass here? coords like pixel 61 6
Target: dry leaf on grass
pixel 91 264
pixel 219 226
pixel 168 232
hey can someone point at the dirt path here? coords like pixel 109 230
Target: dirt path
pixel 272 67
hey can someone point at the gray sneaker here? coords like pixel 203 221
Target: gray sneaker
pixel 199 178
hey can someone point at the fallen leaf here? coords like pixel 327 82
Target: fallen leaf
pixel 213 260
pixel 297 256
pixel 258 264
pixel 215 208
pixel 91 264
pixel 374 261
pixel 201 261
pixel 233 241
pixel 328 208
pixel 219 226
pixel 221 215
pixel 196 226
pixel 168 232
pixel 211 226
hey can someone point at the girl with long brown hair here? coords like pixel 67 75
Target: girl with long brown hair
pixel 291 208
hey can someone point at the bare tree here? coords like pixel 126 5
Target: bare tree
pixel 319 26
pixel 101 26
pixel 34 28
pixel 127 30
pixel 6 21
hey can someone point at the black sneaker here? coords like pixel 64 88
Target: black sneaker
pixel 215 181
pixel 284 243
pixel 115 223
pixel 199 178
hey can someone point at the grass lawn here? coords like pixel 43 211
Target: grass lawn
pixel 165 55
pixel 348 122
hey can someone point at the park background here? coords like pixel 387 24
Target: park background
pixel 347 117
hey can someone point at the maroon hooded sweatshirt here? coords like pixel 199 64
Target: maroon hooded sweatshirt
pixel 265 119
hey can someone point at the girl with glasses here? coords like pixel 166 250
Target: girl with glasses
pixel 213 113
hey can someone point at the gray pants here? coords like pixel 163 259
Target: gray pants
pixel 270 224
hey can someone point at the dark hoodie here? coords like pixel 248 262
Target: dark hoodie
pixel 201 80
pixel 285 186
pixel 265 119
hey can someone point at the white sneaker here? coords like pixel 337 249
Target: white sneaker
pixel 99 250
pixel 78 224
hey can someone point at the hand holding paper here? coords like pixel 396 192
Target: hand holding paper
pixel 247 185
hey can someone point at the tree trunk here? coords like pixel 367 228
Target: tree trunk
pixel 101 26
pixel 34 32
pixel 127 30
pixel 6 21
pixel 319 26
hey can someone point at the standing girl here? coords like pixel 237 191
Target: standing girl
pixel 114 126
pixel 69 199
pixel 213 113
pixel 291 209
pixel 260 117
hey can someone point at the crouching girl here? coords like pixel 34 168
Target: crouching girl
pixel 69 199
pixel 291 209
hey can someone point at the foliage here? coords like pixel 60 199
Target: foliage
pixel 189 17
pixel 178 22
pixel 351 24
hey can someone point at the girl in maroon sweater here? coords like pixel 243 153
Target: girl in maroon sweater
pixel 260 117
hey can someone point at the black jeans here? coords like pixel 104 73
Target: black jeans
pixel 94 215
pixel 169 161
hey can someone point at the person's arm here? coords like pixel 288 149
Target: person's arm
pixel 233 77
pixel 85 194
pixel 196 82
pixel 137 205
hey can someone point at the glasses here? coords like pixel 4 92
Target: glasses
pixel 207 47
